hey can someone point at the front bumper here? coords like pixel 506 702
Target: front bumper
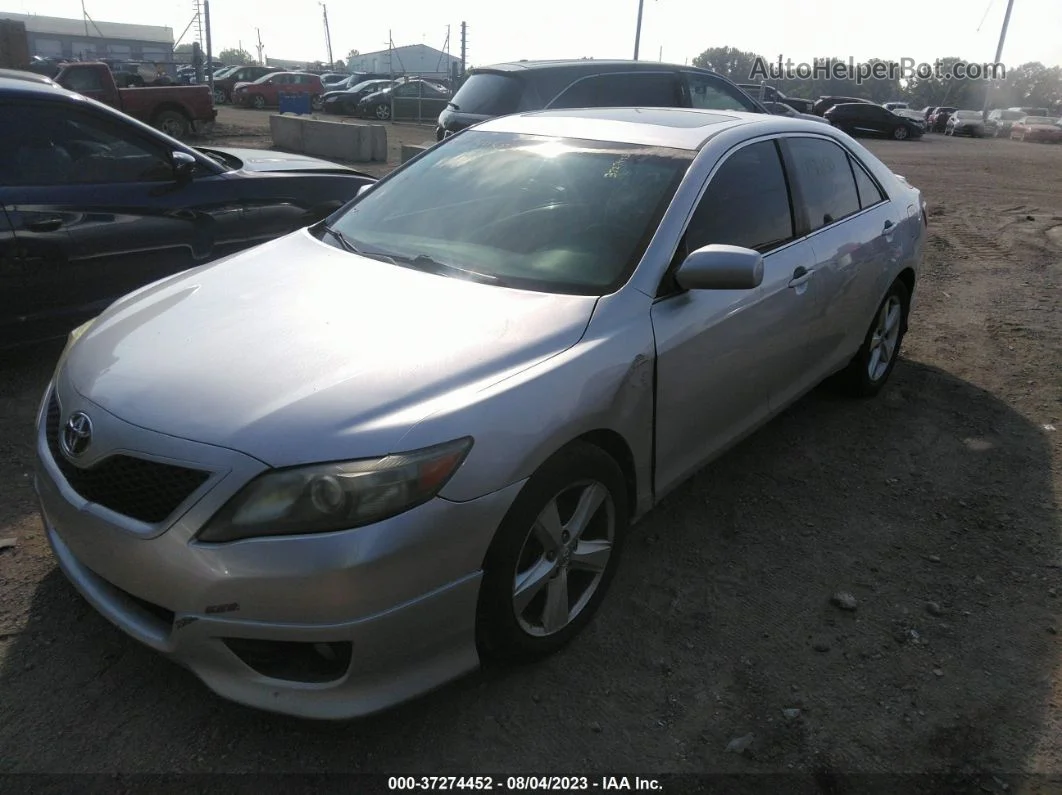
pixel 400 595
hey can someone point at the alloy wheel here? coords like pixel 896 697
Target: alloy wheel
pixel 884 338
pixel 564 558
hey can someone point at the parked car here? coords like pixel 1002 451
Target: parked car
pixel 176 110
pixel 266 90
pixel 938 120
pixel 913 115
pixel 823 104
pixel 966 122
pixel 862 118
pixel 94 204
pixel 1032 111
pixel 533 85
pixel 781 109
pixel 346 100
pixel 225 84
pixel 413 99
pixel 999 122
pixel 233 472
pixel 928 113
pixel 1036 128
pixel 329 79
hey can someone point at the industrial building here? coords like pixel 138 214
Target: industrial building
pixel 85 39
pixel 412 59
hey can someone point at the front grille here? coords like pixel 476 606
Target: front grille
pixel 135 487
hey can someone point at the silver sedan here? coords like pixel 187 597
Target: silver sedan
pixel 332 472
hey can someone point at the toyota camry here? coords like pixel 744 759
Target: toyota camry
pixel 337 470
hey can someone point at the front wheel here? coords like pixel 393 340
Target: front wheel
pixel 553 556
pixel 219 96
pixel 382 112
pixel 258 101
pixel 872 365
pixel 315 101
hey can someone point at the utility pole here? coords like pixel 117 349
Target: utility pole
pixel 261 60
pixel 999 54
pixel 638 29
pixel 464 46
pixel 210 52
pixel 328 37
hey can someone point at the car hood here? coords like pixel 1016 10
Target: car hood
pixel 295 351
pixel 271 160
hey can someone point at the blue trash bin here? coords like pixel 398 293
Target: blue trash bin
pixel 294 103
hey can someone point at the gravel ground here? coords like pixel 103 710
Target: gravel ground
pixel 934 508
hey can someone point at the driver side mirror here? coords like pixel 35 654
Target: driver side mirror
pixel 720 267
pixel 183 166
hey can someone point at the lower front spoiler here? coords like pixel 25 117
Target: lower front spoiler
pixel 396 655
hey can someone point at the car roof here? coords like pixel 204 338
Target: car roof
pixel 29 82
pixel 582 64
pixel 675 128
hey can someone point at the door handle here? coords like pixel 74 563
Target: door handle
pixel 801 276
pixel 43 224
pixel 890 227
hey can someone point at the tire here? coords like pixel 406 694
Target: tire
pixel 258 102
pixel 856 380
pixel 900 133
pixel 510 633
pixel 382 112
pixel 174 123
pixel 315 101
pixel 219 96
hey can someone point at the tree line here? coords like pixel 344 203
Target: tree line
pixel 1028 85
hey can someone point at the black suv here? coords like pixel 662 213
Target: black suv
pixel 506 88
pixel 862 118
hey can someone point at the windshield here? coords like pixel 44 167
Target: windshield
pixel 489 94
pixel 532 212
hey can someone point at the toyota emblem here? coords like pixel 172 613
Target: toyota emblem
pixel 77 434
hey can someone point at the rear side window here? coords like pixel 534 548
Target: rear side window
pixel 621 91
pixel 827 187
pixel 869 192
pixel 746 204
pixel 489 94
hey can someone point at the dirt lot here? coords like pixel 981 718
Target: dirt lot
pixel 936 506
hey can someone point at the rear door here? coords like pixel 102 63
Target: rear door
pixel 851 225
pixel 623 90
pixel 96 212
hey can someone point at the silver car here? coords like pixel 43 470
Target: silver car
pixel 329 473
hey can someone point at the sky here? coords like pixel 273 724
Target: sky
pixel 677 30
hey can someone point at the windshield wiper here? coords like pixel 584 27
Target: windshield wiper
pixel 426 263
pixel 342 239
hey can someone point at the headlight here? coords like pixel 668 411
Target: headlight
pixel 339 496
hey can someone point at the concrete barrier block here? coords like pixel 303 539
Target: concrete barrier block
pixel 409 151
pixel 378 135
pixel 286 132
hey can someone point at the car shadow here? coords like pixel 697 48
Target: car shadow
pixel 930 506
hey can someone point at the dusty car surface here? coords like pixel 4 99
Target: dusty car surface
pixel 329 473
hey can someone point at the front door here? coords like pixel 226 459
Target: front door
pixel 97 212
pixel 722 354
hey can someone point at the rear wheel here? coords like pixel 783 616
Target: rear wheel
pixel 219 96
pixel 872 365
pixel 900 133
pixel 258 101
pixel 173 123
pixel 554 555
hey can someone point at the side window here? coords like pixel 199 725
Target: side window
pixel 621 91
pixel 50 145
pixel 711 94
pixel 83 80
pixel 828 188
pixel 746 203
pixel 869 192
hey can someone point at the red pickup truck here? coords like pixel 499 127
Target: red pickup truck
pixel 176 110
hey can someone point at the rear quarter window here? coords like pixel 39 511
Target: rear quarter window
pixel 489 94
